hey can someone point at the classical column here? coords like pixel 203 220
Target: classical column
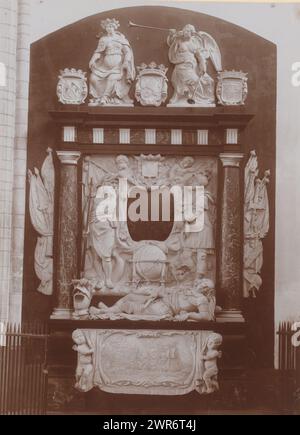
pixel 230 256
pixel 20 160
pixel 67 258
pixel 14 63
pixel 8 51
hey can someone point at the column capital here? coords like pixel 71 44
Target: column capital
pixel 231 159
pixel 69 157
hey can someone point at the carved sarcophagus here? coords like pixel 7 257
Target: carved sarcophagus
pixel 147 362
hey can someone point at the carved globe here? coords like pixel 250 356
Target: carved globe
pixel 150 261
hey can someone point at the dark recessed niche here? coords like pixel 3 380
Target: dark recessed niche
pixel 152 229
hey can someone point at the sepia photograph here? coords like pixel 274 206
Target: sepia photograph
pixel 149 210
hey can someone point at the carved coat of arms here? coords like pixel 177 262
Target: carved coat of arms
pixel 232 89
pixel 72 87
pixel 152 85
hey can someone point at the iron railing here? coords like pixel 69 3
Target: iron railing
pixel 23 371
pixel 289 367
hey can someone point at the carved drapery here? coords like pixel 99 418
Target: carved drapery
pixel 256 225
pixel 230 285
pixel 67 258
pixel 41 209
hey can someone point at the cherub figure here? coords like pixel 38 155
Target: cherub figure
pixel 182 171
pixel 85 360
pixel 210 362
pixel 123 171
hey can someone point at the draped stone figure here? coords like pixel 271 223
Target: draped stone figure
pixel 103 239
pixel 205 238
pixel 112 68
pixel 41 207
pixel 256 225
pixel 198 244
pixel 189 52
pixel 196 302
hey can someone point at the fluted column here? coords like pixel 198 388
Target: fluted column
pixel 230 256
pixel 8 50
pixel 14 59
pixel 67 256
pixel 20 160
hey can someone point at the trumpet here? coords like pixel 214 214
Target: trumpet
pixel 131 24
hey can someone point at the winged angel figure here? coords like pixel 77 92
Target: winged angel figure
pixel 189 52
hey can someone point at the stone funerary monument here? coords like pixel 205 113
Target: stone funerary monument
pixel 142 302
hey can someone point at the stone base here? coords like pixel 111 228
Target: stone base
pixel 254 392
pixel 186 104
pixel 96 104
pixel 61 314
pixel 145 362
pixel 62 360
pixel 230 316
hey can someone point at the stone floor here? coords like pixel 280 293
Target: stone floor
pixel 262 392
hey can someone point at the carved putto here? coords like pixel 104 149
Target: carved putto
pixel 232 89
pixel 152 84
pixel 112 68
pixel 210 357
pixel 256 224
pixel 72 87
pixel 85 368
pixel 190 51
pixel 41 208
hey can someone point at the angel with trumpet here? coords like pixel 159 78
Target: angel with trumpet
pixel 189 52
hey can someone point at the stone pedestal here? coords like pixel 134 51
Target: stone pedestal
pixel 67 258
pixel 230 263
pixel 147 362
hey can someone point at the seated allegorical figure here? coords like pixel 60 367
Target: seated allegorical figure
pixel 112 67
pixel 181 303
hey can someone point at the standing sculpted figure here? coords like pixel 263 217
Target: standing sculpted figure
pixel 189 52
pixel 85 360
pixel 209 358
pixel 102 230
pixel 112 68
